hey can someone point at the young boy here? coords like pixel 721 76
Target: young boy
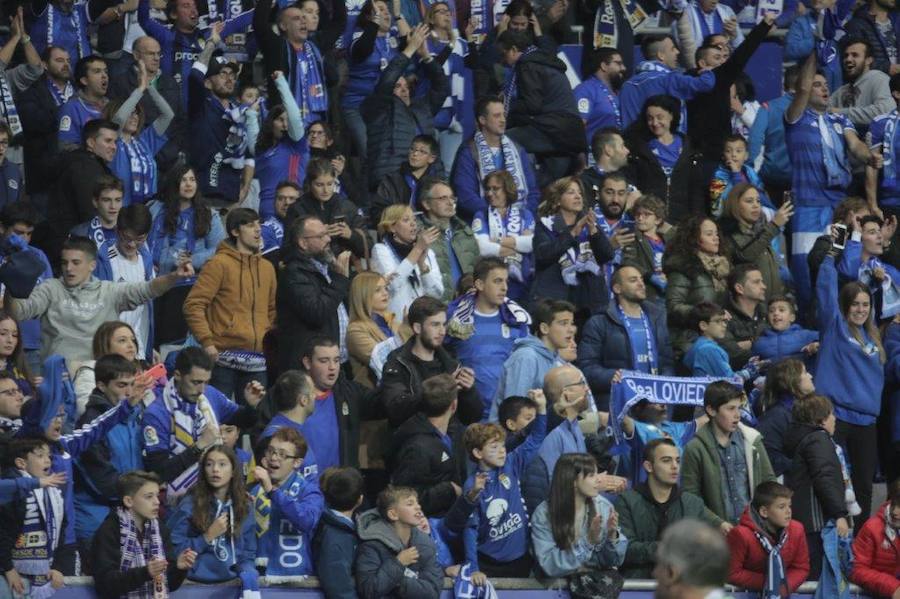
pixel 395 558
pixel 646 253
pixel 335 542
pixel 706 357
pixel 784 338
pixel 230 436
pixel 287 507
pixel 32 544
pixel 108 197
pixel 131 549
pixel 725 460
pixel 733 170
pixel 496 540
pixel 515 415
pixel 766 527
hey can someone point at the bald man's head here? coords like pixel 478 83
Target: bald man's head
pixel 147 50
pixel 565 387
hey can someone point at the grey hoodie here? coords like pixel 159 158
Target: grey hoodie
pixel 70 315
pixel 378 572
pixel 524 370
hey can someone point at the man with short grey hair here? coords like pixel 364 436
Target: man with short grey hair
pixel 691 562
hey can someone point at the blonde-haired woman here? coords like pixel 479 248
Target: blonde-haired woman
pixel 370 323
pixel 405 259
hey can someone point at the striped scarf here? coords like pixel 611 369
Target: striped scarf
pixel 512 163
pixel 512 225
pixel 776 576
pixel 32 554
pixel 137 552
pixel 188 420
pixel 511 89
pixel 80 33
pixel 8 106
pixel 462 315
pixel 887 149
pixel 143 169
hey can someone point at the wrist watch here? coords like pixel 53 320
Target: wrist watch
pixel 26 39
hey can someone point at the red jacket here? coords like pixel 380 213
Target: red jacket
pixel 749 560
pixel 876 561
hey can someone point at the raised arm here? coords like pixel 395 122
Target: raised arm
pixel 802 91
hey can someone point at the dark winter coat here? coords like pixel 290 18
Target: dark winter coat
pixel 815 477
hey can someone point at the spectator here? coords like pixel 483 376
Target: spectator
pixel 371 322
pixel 112 337
pixel 500 507
pixel 712 18
pixel 847 212
pixel 119 569
pixel 569 249
pixel 421 358
pixel 491 150
pixel 402 186
pixel 815 474
pixel 219 142
pixel 598 100
pixel 184 231
pixel 11 181
pixel 394 116
pixel 126 258
pixel 335 542
pixel 16 78
pixel 866 93
pixel 744 109
pixel 697 271
pixel 65 23
pixel 691 560
pixel 373 47
pixel 726 459
pixel 137 146
pixel 666 162
pixel 783 338
pixel 73 306
pixel 281 149
pixel 183 422
pixel 787 381
pixel 630 335
pixel 651 234
pixel 506 230
pixel 768 548
pixel 875 549
pixel 455 249
pixel 882 186
pixel 820 165
pixel 552 332
pixel 850 367
pixel 646 510
pixel 92 80
pixel 658 75
pixel 611 207
pixel 405 259
pixel 343 220
pixel 107 201
pixel 814 32
pixel 732 171
pixel 287 507
pixel 484 325
pixel 390 544
pixel 286 195
pixel 312 291
pixel 217 521
pixel 12 357
pixel 538 101
pixel 73 193
pixel 10 409
pixel 746 311
pixel 567 540
pixel 767 136
pixel 227 326
pixel 610 156
pixel 707 356
pixel 876 22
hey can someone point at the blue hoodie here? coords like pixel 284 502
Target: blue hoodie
pixel 498 528
pixel 707 358
pixel 524 370
pixel 850 374
pixel 779 345
pixel 223 559
pixel 284 545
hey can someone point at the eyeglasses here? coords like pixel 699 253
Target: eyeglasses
pixel 280 454
pixel 14 392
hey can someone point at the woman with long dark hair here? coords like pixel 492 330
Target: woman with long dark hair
pixel 12 356
pixel 185 229
pixel 577 529
pixel 786 381
pixel 216 520
pixel 665 161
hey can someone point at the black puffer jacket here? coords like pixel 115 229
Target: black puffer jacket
pixel 815 476
pixel 685 192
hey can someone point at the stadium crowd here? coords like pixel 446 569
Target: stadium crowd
pixel 388 293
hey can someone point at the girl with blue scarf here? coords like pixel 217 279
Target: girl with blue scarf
pixel 134 163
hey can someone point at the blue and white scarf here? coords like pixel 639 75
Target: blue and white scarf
pixel 80 33
pixel 241 360
pixel 308 81
pixel 887 149
pixel 669 390
pixel 188 421
pixel 8 106
pixel 60 98
pixel 32 554
pixel 343 316
pixel 703 19
pixel 138 551
pixel 461 322
pixel 95 231
pixel 238 141
pixel 836 166
pixel 511 89
pixel 513 224
pixel 142 166
pixel 464 588
pixel 606 32
pixel 890 285
pixel 776 576
pixel 576 259
pixel 649 335
pixel 512 163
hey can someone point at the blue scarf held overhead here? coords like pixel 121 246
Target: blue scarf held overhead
pixel 308 81
pixel 461 312
pixel 669 390
pixel 606 30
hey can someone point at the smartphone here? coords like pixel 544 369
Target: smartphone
pixel 156 371
pixel 339 219
pixel 840 236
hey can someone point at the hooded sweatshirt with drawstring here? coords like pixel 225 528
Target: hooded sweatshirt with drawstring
pixel 232 304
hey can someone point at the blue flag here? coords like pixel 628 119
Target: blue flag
pixel 464 589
